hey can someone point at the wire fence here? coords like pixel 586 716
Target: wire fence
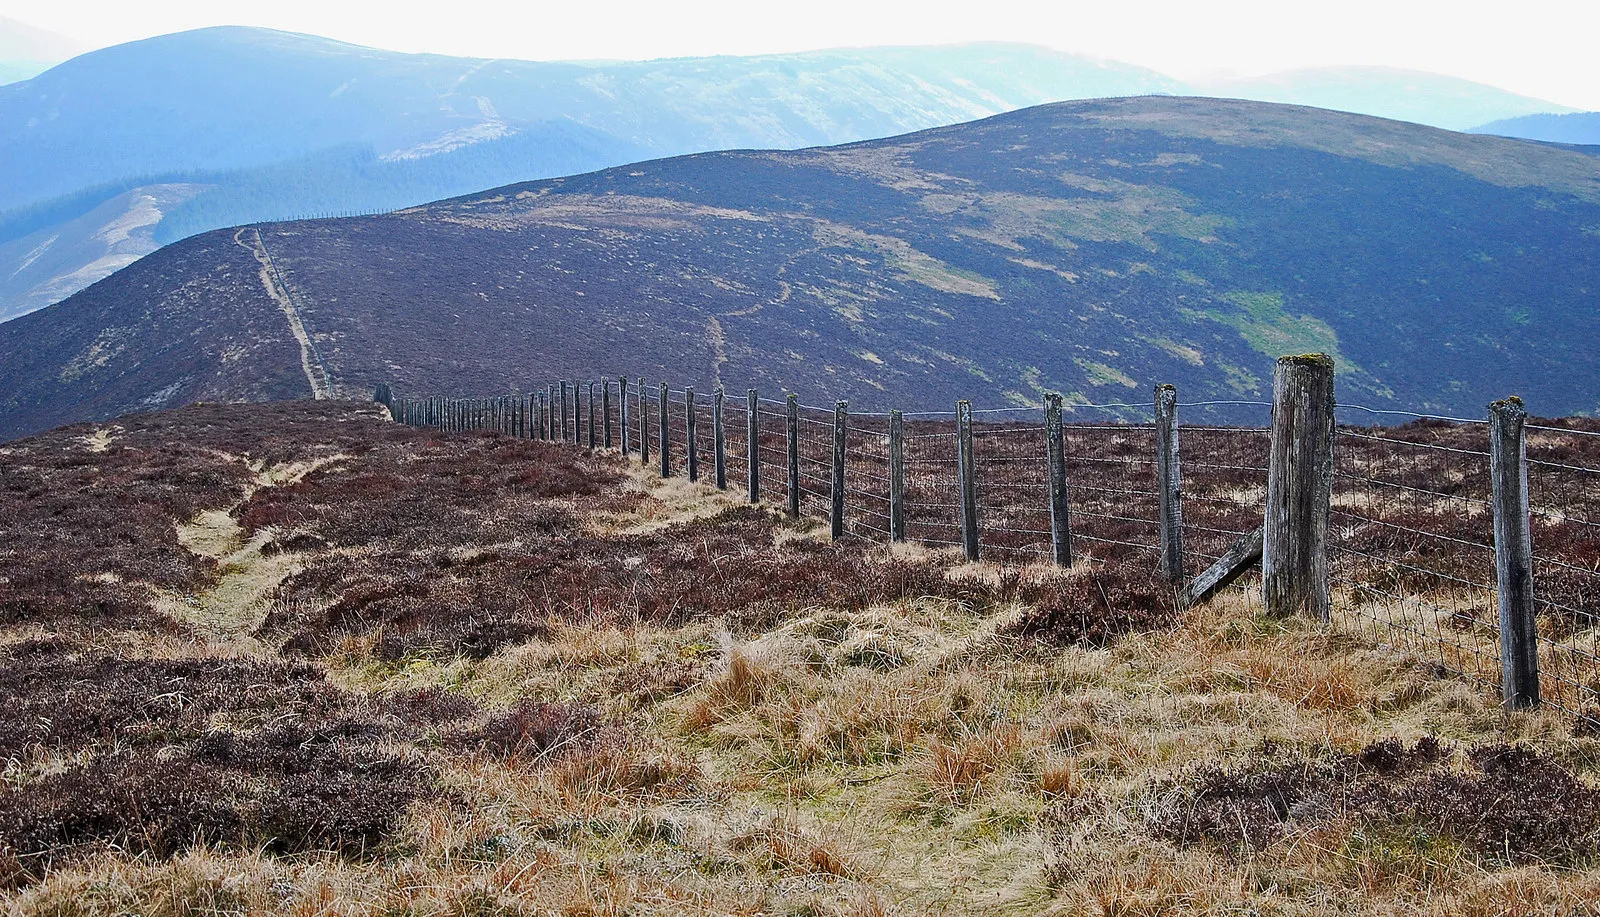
pixel 1411 555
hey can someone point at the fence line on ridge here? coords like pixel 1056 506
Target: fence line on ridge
pixel 1472 544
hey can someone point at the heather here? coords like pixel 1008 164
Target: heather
pixel 317 663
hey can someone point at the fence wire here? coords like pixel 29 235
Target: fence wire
pixel 1412 565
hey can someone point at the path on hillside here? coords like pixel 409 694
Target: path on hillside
pixel 310 360
pixel 247 573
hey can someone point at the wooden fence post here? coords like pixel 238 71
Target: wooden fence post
pixel 719 444
pixel 841 423
pixel 966 472
pixel 1169 484
pixel 897 477
pixel 605 408
pixel 1294 560
pixel 661 432
pixel 793 429
pixel 1055 451
pixel 689 423
pixel 1513 554
pixel 622 411
pixel 752 432
pixel 644 424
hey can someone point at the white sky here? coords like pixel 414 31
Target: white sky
pixel 1543 48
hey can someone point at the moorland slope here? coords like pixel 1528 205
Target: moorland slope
pixel 292 658
pixel 1091 248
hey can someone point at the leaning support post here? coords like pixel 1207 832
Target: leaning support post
pixel 841 424
pixel 1055 453
pixel 664 446
pixel 690 422
pixel 1169 484
pixel 719 444
pixel 966 471
pixel 622 410
pixel 605 408
pixel 792 504
pixel 1513 554
pixel 752 443
pixel 897 477
pixel 1294 560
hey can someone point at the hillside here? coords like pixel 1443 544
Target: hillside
pixel 1387 92
pixel 1092 248
pixel 276 125
pixel 26 51
pixel 265 125
pixel 292 658
pixel 1577 128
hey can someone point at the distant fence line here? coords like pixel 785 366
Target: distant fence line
pixel 1421 537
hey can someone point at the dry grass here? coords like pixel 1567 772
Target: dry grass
pixel 915 754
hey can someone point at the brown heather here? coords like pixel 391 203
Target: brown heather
pixel 473 675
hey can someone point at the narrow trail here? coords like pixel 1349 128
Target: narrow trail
pixel 310 360
pixel 237 604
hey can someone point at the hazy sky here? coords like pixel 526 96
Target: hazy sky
pixel 1544 48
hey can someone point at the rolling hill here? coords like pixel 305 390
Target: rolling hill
pixel 26 51
pixel 270 125
pixel 1387 92
pixel 263 125
pixel 1581 128
pixel 1090 247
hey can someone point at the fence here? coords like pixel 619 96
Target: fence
pixel 1474 544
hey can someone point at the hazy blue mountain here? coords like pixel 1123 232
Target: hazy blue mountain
pixel 1578 127
pixel 26 51
pixel 1404 95
pixel 273 125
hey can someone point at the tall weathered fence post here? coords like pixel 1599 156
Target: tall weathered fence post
pixel 1513 554
pixel 661 432
pixel 966 472
pixel 1055 453
pixel 841 423
pixel 752 433
pixel 605 408
pixel 622 410
pixel 719 452
pixel 897 477
pixel 1294 561
pixel 793 429
pixel 1169 484
pixel 690 421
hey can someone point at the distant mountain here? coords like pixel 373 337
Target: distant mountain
pixel 1578 127
pixel 26 51
pixel 278 125
pixel 1403 95
pixel 1093 248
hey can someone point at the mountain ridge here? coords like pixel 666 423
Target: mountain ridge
pixel 1090 248
pixel 336 128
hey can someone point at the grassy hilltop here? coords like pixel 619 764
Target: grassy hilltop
pixel 296 659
